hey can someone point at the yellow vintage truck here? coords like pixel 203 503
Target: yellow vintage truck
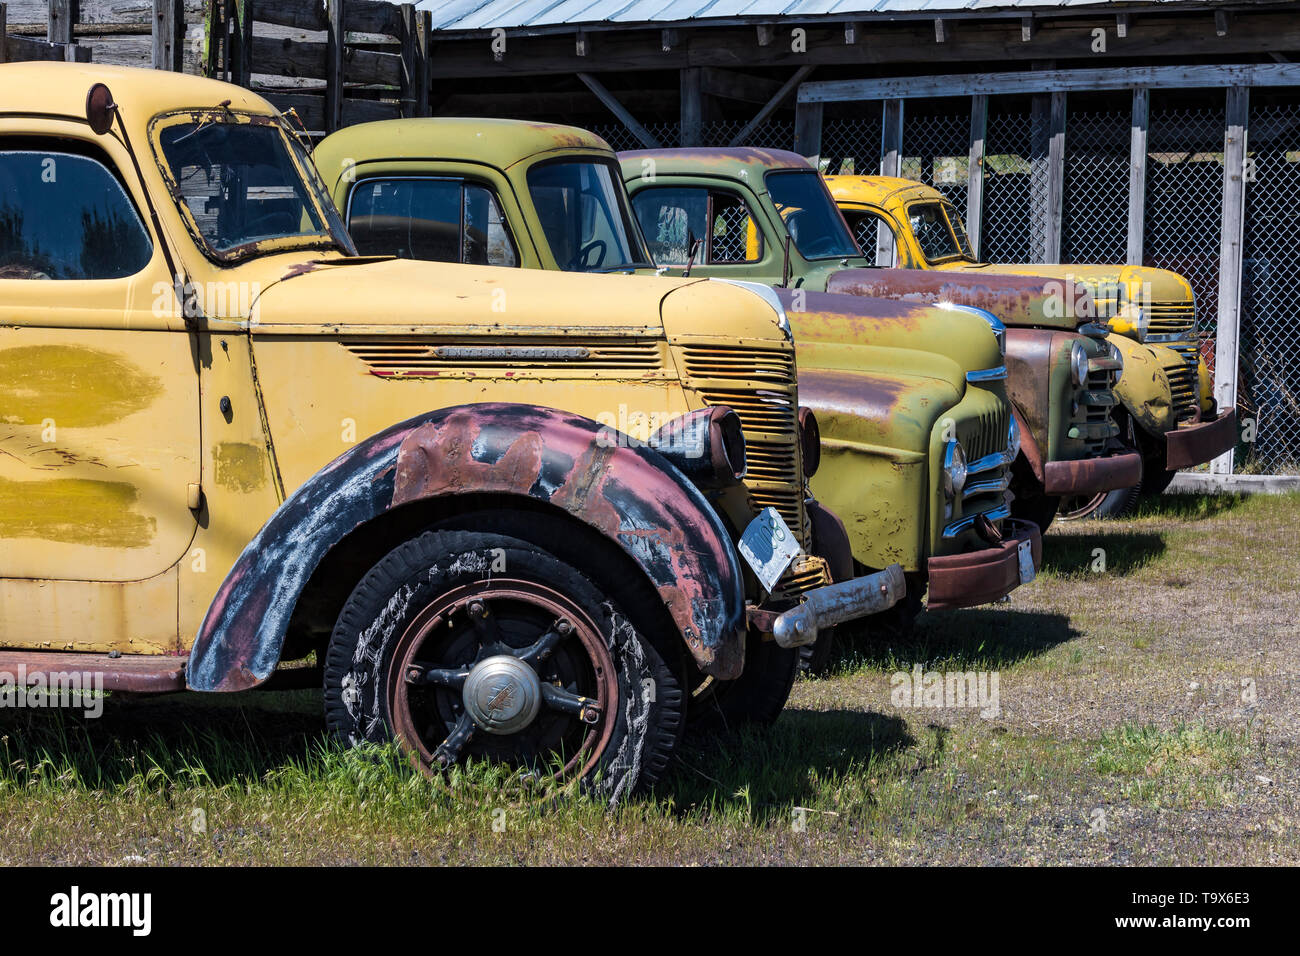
pixel 1167 409
pixel 917 437
pixel 523 516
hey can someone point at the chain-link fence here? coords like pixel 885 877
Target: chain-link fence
pixel 851 140
pixel 1269 343
pixel 1094 217
pixel 1009 227
pixel 936 151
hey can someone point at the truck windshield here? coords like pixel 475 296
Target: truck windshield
pixel 815 225
pixel 939 231
pixel 247 183
pixel 584 214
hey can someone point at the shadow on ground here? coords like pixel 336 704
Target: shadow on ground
pixel 983 638
pixel 1188 507
pixel 764 772
pixel 234 737
pixel 1094 549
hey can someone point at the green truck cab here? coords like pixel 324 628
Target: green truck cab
pixel 1166 410
pixel 1060 369
pixel 916 442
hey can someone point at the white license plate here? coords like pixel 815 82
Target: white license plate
pixel 1026 554
pixel 768 546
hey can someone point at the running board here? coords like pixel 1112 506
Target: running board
pixel 138 673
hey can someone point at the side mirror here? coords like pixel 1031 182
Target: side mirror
pixel 100 109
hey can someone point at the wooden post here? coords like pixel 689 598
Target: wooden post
pixel 692 114
pixel 241 67
pixel 412 64
pixel 334 66
pixel 891 139
pixel 979 120
pixel 168 39
pixel 891 164
pixel 62 17
pixel 1137 173
pixel 4 27
pixel 423 31
pixel 808 131
pixel 1236 127
pixel 1055 180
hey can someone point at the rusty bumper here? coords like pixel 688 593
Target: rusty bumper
pixel 1194 444
pixel 1091 475
pixel 978 577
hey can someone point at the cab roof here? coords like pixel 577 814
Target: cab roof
pixel 876 190
pixel 496 142
pixel 59 89
pixel 729 162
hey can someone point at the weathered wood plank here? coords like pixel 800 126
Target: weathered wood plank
pixel 979 119
pixel 1055 180
pixel 1055 81
pixel 1137 174
pixel 619 110
pixel 168 35
pixel 333 73
pixel 61 19
pixel 771 106
pixel 692 107
pixel 808 131
pixel 891 158
pixel 303 14
pixel 372 16
pixel 1236 123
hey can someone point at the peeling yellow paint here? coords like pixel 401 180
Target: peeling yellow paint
pixel 74 511
pixel 71 386
pixel 240 467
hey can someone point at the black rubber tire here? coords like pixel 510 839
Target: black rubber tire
pixel 756 697
pixel 414 574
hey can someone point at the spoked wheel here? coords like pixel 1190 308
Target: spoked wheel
pixel 506 670
pixel 1106 504
pixel 463 645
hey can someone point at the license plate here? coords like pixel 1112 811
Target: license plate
pixel 768 546
pixel 1026 554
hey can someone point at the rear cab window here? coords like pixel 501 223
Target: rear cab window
pixel 673 218
pixel 442 220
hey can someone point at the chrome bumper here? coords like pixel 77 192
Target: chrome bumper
pixel 837 603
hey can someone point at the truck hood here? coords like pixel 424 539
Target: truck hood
pixel 1104 282
pixel 405 296
pixel 888 336
pixel 1037 301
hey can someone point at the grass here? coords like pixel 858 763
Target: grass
pixel 1146 716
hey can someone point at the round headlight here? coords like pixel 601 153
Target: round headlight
pixel 1079 363
pixel 1013 438
pixel 954 469
pixel 810 441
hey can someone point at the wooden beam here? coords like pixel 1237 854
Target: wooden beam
pixel 63 14
pixel 334 43
pixel 1221 23
pixel 1055 179
pixel 891 156
pixel 772 105
pixel 582 43
pixel 1027 28
pixel 1236 129
pixel 4 29
pixel 627 119
pixel 1054 81
pixel 1137 174
pixel 1121 25
pixel 668 39
pixel 1152 39
pixel 940 34
pixel 808 131
pixel 168 52
pixel 979 118
pixel 729 85
pixel 766 34
pixel 242 41
pixel 692 106
pixel 414 86
pixel 852 30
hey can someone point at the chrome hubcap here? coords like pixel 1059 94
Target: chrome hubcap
pixel 502 694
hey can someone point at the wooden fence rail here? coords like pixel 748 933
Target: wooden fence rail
pixel 334 62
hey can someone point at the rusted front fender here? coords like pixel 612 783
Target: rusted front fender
pixel 1027 301
pixel 627 492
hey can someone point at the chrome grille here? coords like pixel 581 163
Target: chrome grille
pixel 1183 382
pixel 768 415
pixel 1171 318
pixel 416 357
pixel 984 434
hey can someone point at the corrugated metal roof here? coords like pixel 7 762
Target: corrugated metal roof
pixel 472 15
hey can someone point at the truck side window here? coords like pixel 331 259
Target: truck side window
pixel 672 217
pixel 443 220
pixel 874 235
pixel 66 216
